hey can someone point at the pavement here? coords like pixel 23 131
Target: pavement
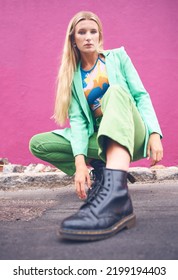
pixel 31 212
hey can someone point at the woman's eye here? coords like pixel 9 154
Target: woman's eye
pixel 81 32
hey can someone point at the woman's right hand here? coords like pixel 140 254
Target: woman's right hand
pixel 82 177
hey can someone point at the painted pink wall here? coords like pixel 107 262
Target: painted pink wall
pixel 31 38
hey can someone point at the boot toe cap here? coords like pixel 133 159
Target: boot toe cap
pixel 77 222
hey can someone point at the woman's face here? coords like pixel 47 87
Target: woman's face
pixel 86 36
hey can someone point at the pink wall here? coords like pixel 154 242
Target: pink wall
pixel 31 38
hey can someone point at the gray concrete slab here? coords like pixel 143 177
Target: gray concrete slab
pixel 29 221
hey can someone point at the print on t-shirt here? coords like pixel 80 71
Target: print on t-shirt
pixel 95 83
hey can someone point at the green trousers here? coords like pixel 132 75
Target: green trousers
pixel 121 122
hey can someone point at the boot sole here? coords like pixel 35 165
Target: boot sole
pixel 91 235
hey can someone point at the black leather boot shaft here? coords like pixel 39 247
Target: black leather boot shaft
pixel 97 173
pixel 113 196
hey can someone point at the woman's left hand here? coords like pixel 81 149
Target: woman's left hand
pixel 154 148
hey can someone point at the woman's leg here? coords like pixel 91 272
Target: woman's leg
pixel 121 133
pixel 114 152
pixel 54 149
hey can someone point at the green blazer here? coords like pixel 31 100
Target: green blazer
pixel 122 72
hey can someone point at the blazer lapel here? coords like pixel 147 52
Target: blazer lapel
pixel 110 67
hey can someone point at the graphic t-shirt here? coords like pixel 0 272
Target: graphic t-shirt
pixel 95 83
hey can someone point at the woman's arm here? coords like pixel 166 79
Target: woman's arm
pixel 82 177
pixel 79 143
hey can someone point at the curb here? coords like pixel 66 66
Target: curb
pixel 58 179
pixel 34 180
pixel 154 175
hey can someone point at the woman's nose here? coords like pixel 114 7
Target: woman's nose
pixel 88 36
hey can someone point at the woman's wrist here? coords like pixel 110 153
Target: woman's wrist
pixel 80 161
pixel 155 134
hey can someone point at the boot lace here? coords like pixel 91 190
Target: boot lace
pixel 99 193
pixel 92 192
pixel 99 197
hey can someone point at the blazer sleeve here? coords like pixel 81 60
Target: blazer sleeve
pixel 140 95
pixel 79 131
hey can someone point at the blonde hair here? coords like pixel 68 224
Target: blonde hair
pixel 69 62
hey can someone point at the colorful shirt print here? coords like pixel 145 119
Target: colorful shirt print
pixel 95 83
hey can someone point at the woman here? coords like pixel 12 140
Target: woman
pixel 112 122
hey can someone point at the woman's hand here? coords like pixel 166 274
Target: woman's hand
pixel 154 148
pixel 82 177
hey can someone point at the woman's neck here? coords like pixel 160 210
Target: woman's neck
pixel 88 60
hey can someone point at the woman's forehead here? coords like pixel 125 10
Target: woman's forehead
pixel 86 24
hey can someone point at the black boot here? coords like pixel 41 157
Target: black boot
pixel 105 214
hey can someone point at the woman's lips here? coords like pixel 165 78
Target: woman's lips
pixel 88 45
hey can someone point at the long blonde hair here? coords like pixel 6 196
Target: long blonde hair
pixel 69 62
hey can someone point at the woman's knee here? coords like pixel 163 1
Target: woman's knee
pixel 32 144
pixel 35 144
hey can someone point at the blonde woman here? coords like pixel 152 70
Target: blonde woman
pixel 112 122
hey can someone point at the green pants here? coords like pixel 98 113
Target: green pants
pixel 121 122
